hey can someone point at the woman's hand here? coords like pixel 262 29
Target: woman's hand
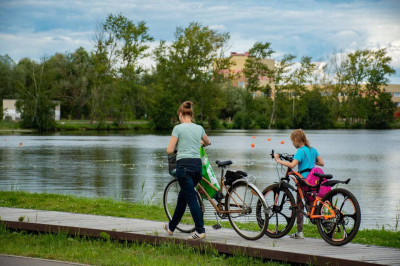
pixel 276 155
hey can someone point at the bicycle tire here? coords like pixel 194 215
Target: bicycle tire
pixel 245 223
pixel 344 227
pixel 170 200
pixel 282 215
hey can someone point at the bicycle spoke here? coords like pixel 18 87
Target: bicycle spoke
pixel 282 217
pixel 342 228
pixel 244 203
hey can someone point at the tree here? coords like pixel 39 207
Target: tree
pixel 255 68
pixel 35 93
pixel 380 106
pixel 380 114
pixel 314 112
pixel 335 82
pixel 7 84
pixel 357 64
pixel 120 44
pixel 7 65
pixel 298 80
pixel 281 79
pixel 71 78
pixel 378 71
pixel 185 69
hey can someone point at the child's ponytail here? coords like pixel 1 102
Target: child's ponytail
pixel 299 134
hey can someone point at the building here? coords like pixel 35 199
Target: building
pixel 238 61
pixel 394 90
pixel 10 111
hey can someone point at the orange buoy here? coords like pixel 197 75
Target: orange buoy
pixel 269 139
pixel 282 142
pixel 252 145
pixel 253 137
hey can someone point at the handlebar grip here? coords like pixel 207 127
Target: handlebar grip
pixel 272 154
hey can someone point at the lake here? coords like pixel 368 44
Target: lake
pixel 133 166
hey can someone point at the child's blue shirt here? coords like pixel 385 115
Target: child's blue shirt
pixel 307 158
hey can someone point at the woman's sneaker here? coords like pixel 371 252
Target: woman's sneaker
pixel 197 236
pixel 165 226
pixel 298 235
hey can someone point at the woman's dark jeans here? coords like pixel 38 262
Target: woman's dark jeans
pixel 188 173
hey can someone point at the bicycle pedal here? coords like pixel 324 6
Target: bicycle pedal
pixel 216 226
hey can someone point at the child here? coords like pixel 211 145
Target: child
pixel 306 157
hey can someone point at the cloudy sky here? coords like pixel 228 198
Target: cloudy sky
pixel 316 28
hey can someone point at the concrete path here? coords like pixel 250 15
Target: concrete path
pixel 8 260
pixel 309 250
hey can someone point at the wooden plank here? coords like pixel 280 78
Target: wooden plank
pixel 224 240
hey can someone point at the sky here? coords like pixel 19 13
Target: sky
pixel 315 28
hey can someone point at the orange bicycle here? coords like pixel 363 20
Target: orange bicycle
pixel 337 214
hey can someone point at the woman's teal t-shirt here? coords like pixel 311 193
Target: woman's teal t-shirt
pixel 189 137
pixel 307 158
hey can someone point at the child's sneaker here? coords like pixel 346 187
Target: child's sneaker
pixel 298 235
pixel 165 226
pixel 197 236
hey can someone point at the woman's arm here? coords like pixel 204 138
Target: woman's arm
pixel 172 144
pixel 285 163
pixel 319 161
pixel 206 140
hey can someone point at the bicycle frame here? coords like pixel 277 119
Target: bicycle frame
pixel 218 208
pixel 310 213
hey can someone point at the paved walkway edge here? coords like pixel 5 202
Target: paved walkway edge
pixel 154 239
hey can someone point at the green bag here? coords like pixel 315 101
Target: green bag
pixel 208 174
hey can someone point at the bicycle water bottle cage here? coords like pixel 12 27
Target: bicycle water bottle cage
pixel 223 163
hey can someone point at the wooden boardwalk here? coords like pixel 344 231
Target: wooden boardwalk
pixel 224 240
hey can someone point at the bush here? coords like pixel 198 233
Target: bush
pixel 282 124
pixel 262 121
pixel 214 123
pixel 242 120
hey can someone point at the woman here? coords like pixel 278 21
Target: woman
pixel 187 138
pixel 306 157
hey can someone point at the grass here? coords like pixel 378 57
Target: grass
pixel 67 203
pixel 110 207
pixel 105 252
pixel 9 125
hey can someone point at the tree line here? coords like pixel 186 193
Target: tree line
pixel 110 83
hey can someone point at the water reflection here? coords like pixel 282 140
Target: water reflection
pixel 133 167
